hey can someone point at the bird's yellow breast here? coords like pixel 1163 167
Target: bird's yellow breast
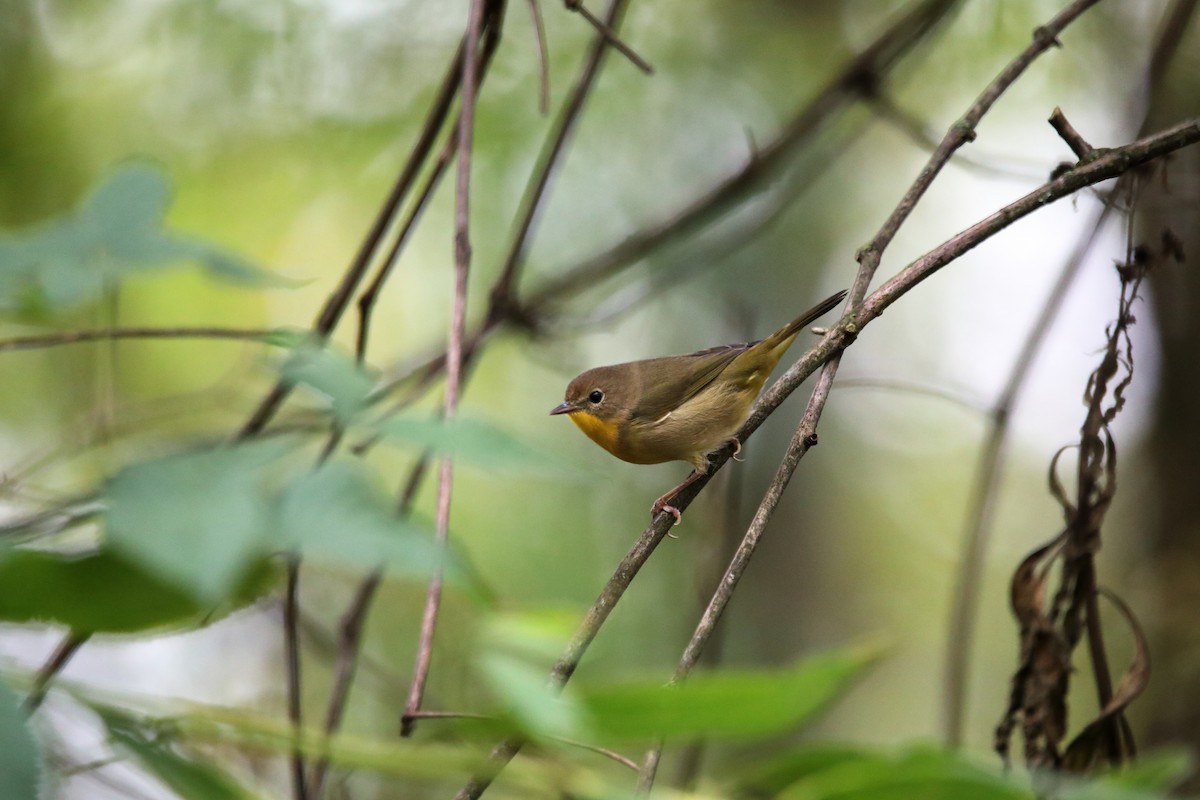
pixel 602 432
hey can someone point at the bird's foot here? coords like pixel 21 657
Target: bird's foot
pixel 737 448
pixel 661 505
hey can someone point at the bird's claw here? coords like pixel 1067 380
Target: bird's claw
pixel 661 506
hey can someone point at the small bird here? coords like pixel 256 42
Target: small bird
pixel 678 408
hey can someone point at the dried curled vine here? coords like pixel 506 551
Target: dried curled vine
pixel 1051 631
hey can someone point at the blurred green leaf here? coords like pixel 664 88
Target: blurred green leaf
pixel 101 592
pixel 191 778
pixel 199 520
pixel 532 707
pixel 515 649
pixel 731 704
pixel 118 231
pixel 21 767
pixel 472 441
pixel 919 775
pixel 332 374
pixel 337 513
pixel 1158 772
pixel 387 756
pixel 775 774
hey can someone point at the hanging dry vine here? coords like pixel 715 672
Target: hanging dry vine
pixel 1052 627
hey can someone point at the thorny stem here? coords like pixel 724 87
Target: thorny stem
pixel 454 353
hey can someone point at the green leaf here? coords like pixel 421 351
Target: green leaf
pixel 776 774
pixel 191 778
pixel 732 704
pixel 387 756
pixel 118 231
pixel 21 767
pixel 923 774
pixel 198 520
pixel 102 592
pixel 471 441
pixel 332 374
pixel 337 513
pixel 1157 772
pixel 515 649
pixel 134 197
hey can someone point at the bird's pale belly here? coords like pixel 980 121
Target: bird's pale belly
pixel 688 433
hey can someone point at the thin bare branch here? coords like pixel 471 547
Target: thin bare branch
pixel 1079 146
pixel 62 654
pixel 339 299
pixel 960 133
pixel 539 35
pixel 608 33
pixel 349 638
pixel 291 650
pixel 502 300
pixel 454 354
pixel 858 77
pixel 76 337
pixel 370 295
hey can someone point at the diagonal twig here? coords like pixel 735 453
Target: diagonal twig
pixel 607 31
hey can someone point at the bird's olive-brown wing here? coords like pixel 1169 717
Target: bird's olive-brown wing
pixel 668 383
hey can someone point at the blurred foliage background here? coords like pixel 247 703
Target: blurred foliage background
pixel 281 126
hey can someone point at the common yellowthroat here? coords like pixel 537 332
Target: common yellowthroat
pixel 678 408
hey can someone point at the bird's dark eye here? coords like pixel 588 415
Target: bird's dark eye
pixel 595 397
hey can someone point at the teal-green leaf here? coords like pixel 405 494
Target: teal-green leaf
pixel 732 704
pixel 337 513
pixel 116 232
pixel 100 593
pixel 21 769
pixel 192 778
pixel 135 197
pixel 198 520
pixel 333 375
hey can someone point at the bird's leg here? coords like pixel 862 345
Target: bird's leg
pixel 661 503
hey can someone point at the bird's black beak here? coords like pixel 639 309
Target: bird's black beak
pixel 564 407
